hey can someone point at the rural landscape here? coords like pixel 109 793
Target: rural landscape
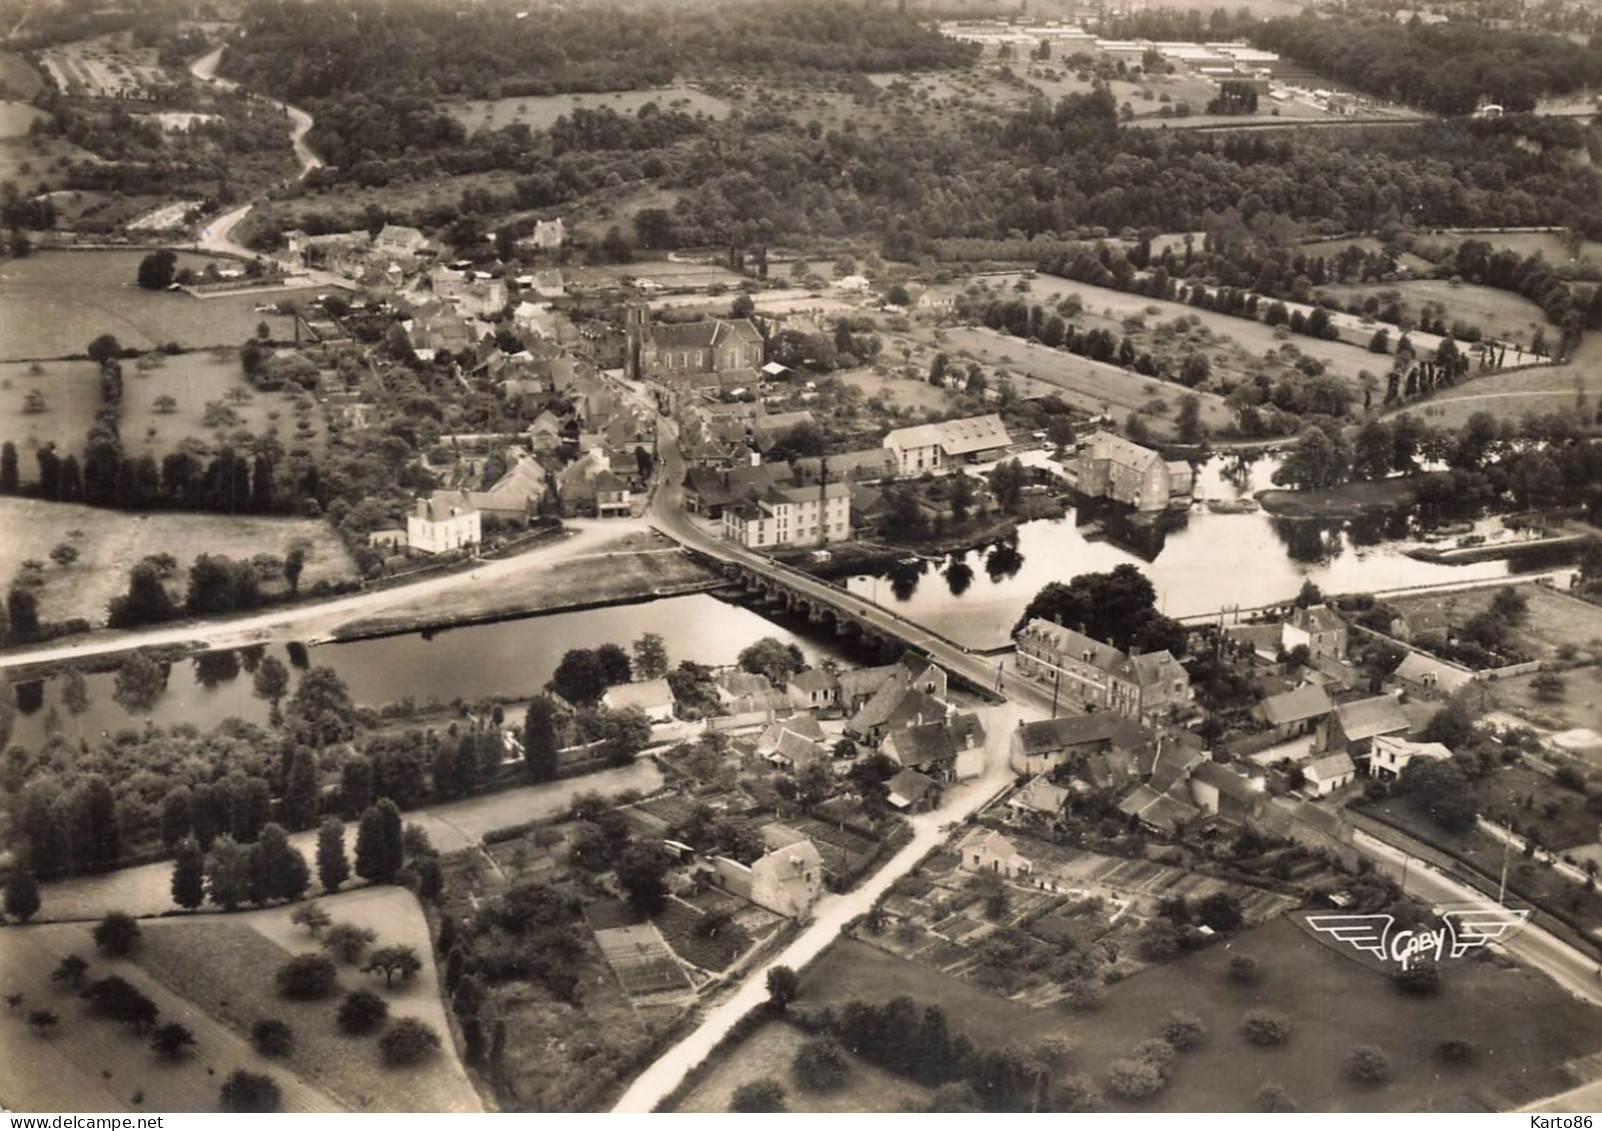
pixel 804 556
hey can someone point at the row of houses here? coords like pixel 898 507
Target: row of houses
pixel 1093 675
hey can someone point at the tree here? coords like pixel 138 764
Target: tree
pixel 820 1065
pixel 1273 1098
pixel 228 873
pixel 347 942
pixel 140 682
pixel 1243 968
pixel 294 565
pixel 322 708
pixel 1135 1079
pixel 362 1012
pixel 270 681
pixel 9 480
pixel 784 985
pixel 166 404
pixel 63 554
pixel 22 610
pixel 1184 1031
pixel 307 977
pixel 272 1037
pixel 623 734
pixel 103 349
pixel 333 866
pixel 250 1093
pixel 1189 421
pixel 117 934
pixel 172 1040
pixel 380 849
pixel 650 656
pixel 1317 462
pixel 146 601
pixel 70 972
pixel 22 892
pixel 1264 1027
pixel 189 874
pixel 1549 687
pixel 42 1021
pixel 395 961
pixel 773 658
pixel 1440 790
pixel 156 270
pixel 539 739
pixel 759 1096
pixel 313 916
pixel 407 1042
pixel 1367 1064
pixel 580 678
pixel 642 874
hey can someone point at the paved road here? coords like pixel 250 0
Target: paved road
pixel 1556 959
pixel 830 914
pixel 310 621
pixel 667 515
pixel 217 236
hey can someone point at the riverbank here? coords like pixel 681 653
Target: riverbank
pixel 1496 551
pixel 635 567
pixel 1349 500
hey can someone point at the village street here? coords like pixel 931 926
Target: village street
pixel 833 911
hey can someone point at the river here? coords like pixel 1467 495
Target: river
pixel 1199 562
pixel 508 658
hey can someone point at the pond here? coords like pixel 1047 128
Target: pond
pixel 1199 562
pixel 508 658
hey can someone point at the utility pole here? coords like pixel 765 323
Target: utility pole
pixel 1501 888
pixel 1056 681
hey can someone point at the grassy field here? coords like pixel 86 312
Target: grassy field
pixel 226 967
pixel 1522 1027
pixel 111 542
pixel 72 396
pixel 18 79
pixel 1580 707
pixel 1086 384
pixel 1512 396
pixel 16 117
pixel 1340 359
pixel 55 303
pixel 1499 314
pixel 540 112
pixel 1552 619
pixel 109 66
pixel 89 1064
pixel 769 1052
pixel 898 391
pixel 629 569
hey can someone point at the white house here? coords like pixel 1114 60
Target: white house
pixel 985 850
pixel 446 520
pixel 791 516
pixel 653 696
pixel 931 447
pixel 787 880
pixel 1327 774
pixel 1392 753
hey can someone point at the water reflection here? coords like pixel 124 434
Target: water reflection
pixel 1004 561
pixel 959 575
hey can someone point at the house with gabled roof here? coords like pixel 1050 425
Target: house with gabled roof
pixel 1428 676
pixel 1353 727
pixel 1219 791
pixel 1323 776
pixel 444 521
pixel 1161 812
pixel 814 689
pixel 893 706
pixel 929 748
pixel 663 351
pixel 934 447
pixel 653 696
pixel 786 880
pixel 1112 467
pixel 1038 800
pixel 986 850
pixel 1038 747
pixel 1299 711
pixel 1391 754
pixel 913 792
pixel 1318 628
pixel 1097 676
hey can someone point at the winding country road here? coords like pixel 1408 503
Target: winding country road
pixel 217 236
